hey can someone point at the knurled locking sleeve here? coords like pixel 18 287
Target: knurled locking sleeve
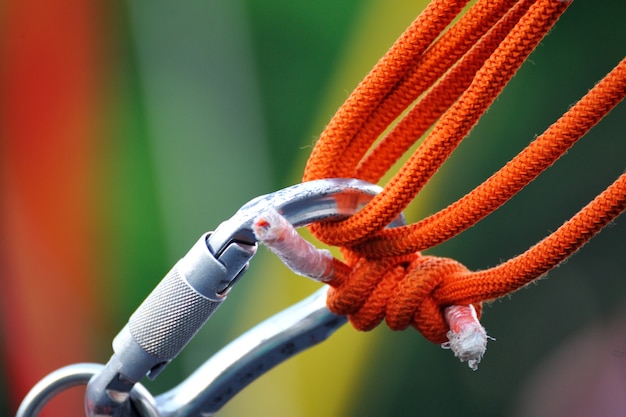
pixel 170 316
pixel 177 308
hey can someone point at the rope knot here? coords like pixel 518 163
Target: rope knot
pixel 401 290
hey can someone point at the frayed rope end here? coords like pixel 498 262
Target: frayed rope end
pixel 467 338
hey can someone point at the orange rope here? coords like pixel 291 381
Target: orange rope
pixel 453 77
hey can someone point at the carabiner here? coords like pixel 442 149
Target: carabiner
pixel 196 286
pixel 185 299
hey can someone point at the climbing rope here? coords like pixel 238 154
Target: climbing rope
pixel 446 79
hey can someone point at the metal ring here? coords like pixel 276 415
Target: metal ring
pixel 73 375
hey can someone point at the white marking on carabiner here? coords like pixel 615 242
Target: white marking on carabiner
pixel 467 338
pixel 278 235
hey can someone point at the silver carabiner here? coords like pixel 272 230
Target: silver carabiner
pixel 191 292
pixel 197 285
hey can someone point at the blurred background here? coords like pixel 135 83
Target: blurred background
pixel 127 129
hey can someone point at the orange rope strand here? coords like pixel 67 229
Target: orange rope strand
pixel 545 255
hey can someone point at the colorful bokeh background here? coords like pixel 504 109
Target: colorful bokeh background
pixel 127 129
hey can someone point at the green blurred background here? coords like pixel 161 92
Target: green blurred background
pixel 202 106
